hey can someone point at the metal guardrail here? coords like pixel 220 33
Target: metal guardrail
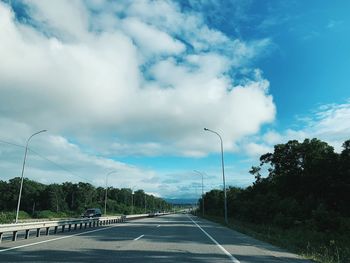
pixel 56 226
pixel 63 225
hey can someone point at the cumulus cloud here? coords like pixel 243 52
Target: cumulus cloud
pixel 255 149
pixel 121 78
pixel 53 159
pixel 147 77
pixel 328 123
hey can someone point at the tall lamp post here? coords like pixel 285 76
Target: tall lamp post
pixel 24 162
pixel 202 191
pixel 106 190
pixel 223 172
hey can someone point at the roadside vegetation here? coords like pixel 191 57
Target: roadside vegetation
pixel 70 200
pixel 301 202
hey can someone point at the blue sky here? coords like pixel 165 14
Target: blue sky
pixel 130 85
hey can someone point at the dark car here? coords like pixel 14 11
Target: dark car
pixel 92 212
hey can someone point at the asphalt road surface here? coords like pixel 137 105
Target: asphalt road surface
pixel 171 238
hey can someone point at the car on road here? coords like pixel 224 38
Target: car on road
pixel 92 212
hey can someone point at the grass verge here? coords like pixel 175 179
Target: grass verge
pixel 324 247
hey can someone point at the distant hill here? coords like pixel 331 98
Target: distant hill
pixel 181 201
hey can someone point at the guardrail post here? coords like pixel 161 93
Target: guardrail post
pixel 14 236
pixel 26 236
pixel 64 225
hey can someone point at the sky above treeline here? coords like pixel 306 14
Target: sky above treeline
pixel 128 86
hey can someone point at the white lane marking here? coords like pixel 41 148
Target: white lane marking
pixel 158 226
pixel 55 239
pixel 233 259
pixel 139 237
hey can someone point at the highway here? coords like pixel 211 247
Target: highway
pixel 171 238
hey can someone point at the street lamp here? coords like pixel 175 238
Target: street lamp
pixel 202 191
pixel 223 172
pixel 24 162
pixel 106 191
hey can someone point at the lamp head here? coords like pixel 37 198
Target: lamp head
pixel 205 129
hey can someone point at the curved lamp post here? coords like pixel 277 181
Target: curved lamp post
pixel 223 172
pixel 24 162
pixel 202 190
pixel 106 191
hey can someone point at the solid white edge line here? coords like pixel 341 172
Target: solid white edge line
pixel 139 237
pixel 55 239
pixel 233 259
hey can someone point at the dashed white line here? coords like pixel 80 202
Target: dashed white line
pixel 139 237
pixel 233 259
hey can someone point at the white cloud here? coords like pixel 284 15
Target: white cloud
pixel 131 77
pixel 68 19
pixel 254 149
pixel 329 123
pixel 151 39
pixel 333 24
pixel 272 137
pixel 54 159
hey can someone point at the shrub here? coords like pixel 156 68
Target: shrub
pixel 7 217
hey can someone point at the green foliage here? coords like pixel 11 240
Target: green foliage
pixel 70 199
pixel 319 246
pixel 50 214
pixel 7 217
pixel 304 196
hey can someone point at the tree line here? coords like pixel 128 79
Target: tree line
pixel 300 183
pixel 73 198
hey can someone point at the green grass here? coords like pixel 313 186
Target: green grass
pixel 324 247
pixel 51 215
pixel 9 217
